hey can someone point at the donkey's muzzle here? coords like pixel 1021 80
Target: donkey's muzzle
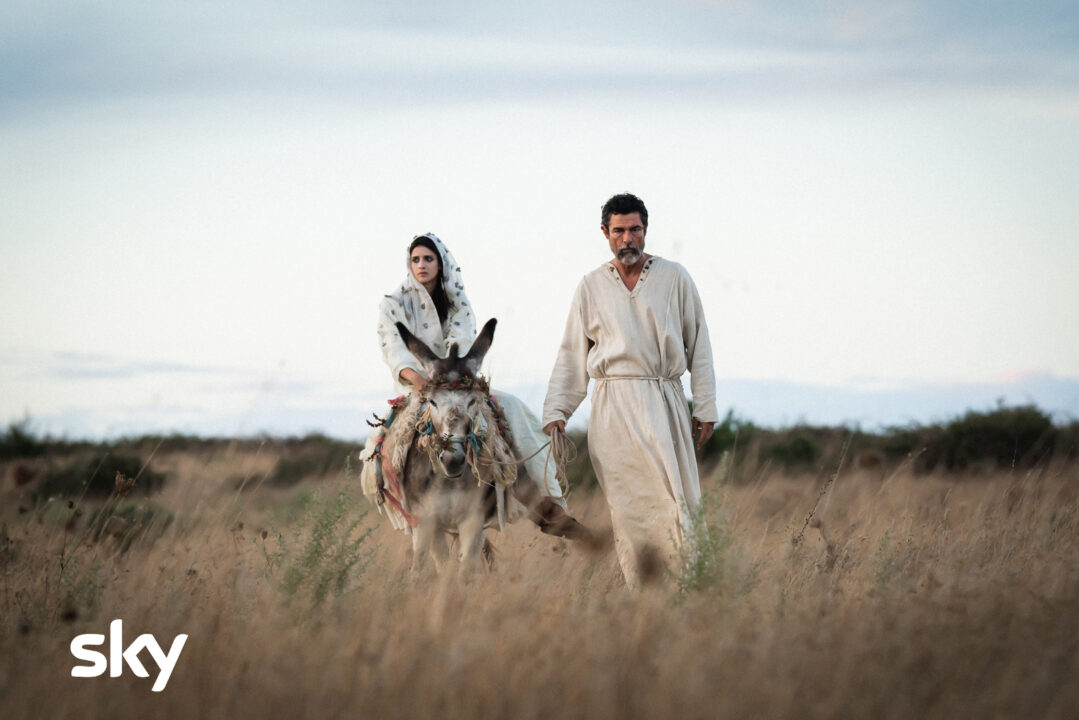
pixel 453 462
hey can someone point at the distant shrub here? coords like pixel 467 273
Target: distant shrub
pixel 798 447
pixel 96 477
pixel 290 471
pixel 174 443
pixel 1066 444
pixel 19 442
pixel 1006 436
pixel 313 456
pixel 900 442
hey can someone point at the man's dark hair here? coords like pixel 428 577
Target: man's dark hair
pixel 442 301
pixel 624 204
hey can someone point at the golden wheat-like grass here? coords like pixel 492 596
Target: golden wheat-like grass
pixel 906 597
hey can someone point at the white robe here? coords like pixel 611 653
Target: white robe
pixel 636 345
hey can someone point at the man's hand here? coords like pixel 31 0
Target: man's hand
pixel 560 424
pixel 705 431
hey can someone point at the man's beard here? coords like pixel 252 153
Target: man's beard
pixel 629 255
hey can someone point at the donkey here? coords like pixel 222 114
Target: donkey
pixel 441 488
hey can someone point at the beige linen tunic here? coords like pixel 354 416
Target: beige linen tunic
pixel 636 345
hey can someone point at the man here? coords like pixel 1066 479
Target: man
pixel 635 326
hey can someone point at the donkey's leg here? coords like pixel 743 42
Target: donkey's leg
pixel 470 531
pixel 440 551
pixel 422 536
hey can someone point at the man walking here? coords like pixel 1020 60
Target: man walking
pixel 635 326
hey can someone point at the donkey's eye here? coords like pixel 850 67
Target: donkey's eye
pixel 472 402
pixel 433 403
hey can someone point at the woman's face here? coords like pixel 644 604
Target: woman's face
pixel 424 264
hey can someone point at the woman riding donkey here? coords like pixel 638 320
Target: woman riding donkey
pixel 432 305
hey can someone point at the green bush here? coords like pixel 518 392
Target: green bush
pixel 1066 444
pixel 797 448
pixel 290 471
pixel 325 552
pixel 1006 436
pixel 19 442
pixel 96 477
pixel 704 558
pixel 313 456
pixel 900 442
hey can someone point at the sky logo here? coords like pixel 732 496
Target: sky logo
pixel 118 655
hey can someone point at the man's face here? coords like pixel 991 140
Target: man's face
pixel 626 234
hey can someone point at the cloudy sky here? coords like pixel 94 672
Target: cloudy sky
pixel 202 203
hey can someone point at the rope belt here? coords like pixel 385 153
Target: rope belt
pixel 639 377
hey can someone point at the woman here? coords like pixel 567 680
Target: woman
pixel 432 304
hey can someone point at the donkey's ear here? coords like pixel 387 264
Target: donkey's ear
pixel 417 347
pixel 474 359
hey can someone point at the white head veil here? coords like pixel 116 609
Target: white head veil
pixel 420 314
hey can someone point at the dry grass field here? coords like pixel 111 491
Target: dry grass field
pixel 903 597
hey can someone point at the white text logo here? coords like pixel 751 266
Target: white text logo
pixel 166 663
